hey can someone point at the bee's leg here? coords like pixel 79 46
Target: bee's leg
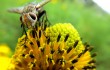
pixel 34 31
pixel 23 26
pixel 44 21
pixel 43 25
pixel 42 15
pixel 36 26
pixel 24 31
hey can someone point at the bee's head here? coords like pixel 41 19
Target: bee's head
pixel 29 12
pixel 29 19
pixel 32 7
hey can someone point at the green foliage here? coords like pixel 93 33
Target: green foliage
pixel 91 23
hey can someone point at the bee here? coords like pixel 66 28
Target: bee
pixel 32 15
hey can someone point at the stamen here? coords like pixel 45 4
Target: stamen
pixel 31 55
pixel 74 61
pixel 39 33
pixel 34 33
pixel 69 49
pixel 38 43
pixel 58 38
pixel 66 37
pixel 48 40
pixel 72 67
pixel 76 43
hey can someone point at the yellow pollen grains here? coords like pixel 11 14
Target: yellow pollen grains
pixel 64 30
pixel 59 47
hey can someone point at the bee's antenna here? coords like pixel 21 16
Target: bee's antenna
pixel 18 10
pixel 42 3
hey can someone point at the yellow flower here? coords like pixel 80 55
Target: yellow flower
pixel 4 50
pixel 4 56
pixel 57 48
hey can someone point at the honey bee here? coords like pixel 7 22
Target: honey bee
pixel 32 15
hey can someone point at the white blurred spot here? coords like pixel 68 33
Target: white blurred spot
pixel 104 4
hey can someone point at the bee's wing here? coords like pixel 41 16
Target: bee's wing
pixel 18 10
pixel 42 3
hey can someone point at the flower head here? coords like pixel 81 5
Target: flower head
pixel 59 47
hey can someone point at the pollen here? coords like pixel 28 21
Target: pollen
pixel 59 47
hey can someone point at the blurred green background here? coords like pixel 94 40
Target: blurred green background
pixel 91 22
